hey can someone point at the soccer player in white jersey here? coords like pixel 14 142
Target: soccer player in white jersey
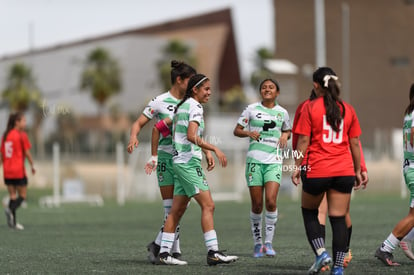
pixel 404 226
pixel 267 125
pixel 188 142
pixel 159 108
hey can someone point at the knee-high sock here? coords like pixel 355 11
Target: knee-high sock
pixel 390 243
pixel 270 223
pixel 167 241
pixel 348 244
pixel 210 239
pixel 256 226
pixel 167 207
pixel 339 239
pixel 313 230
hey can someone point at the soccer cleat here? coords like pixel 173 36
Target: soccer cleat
pixel 218 257
pixel 385 257
pixel 269 250
pixel 153 251
pixel 166 259
pixel 177 255
pixel 337 270
pixel 347 258
pixel 406 247
pixel 9 217
pixel 18 226
pixel 258 250
pixel 320 261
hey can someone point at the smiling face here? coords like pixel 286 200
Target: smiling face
pixel 269 91
pixel 203 92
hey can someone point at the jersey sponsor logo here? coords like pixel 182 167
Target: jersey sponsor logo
pixel 199 106
pixel 269 124
pixel 259 115
pixel 171 108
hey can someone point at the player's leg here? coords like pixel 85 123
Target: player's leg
pixel 22 194
pixel 404 226
pixel 254 180
pixel 272 185
pixel 214 255
pixel 322 213
pixel 312 194
pixel 339 196
pixel 12 190
pixel 348 256
pixel 168 236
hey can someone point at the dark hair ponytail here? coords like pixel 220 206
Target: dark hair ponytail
pixel 331 97
pixel 180 69
pixel 195 81
pixel 11 123
pixel 410 107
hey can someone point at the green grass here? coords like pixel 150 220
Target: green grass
pixel 79 239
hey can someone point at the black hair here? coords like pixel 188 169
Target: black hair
pixel 193 82
pixel 312 95
pixel 11 123
pixel 410 106
pixel 331 97
pixel 271 80
pixel 180 69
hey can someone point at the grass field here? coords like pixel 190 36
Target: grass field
pixel 79 239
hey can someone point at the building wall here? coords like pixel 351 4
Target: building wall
pixel 381 58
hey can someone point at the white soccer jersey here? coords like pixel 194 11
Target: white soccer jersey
pixel 184 150
pixel 408 149
pixel 269 123
pixel 161 107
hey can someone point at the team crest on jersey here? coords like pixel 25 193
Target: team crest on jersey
pixel 160 177
pixel 245 120
pixel 279 118
pixel 250 177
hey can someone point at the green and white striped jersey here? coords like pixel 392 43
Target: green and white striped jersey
pixel 408 149
pixel 161 107
pixel 269 123
pixel 184 150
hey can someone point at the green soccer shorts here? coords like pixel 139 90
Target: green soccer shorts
pixel 190 178
pixel 257 174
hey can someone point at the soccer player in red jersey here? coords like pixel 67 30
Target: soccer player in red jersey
pixel 329 131
pixel 14 150
pixel 323 207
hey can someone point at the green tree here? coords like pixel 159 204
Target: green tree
pixel 179 51
pixel 21 88
pixel 101 76
pixel 261 72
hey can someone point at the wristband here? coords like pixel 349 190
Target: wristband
pixel 163 128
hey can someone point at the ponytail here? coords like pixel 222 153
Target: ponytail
pixel 180 69
pixel 195 81
pixel 11 123
pixel 410 107
pixel 326 78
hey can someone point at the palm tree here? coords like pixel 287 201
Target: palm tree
pixel 21 89
pixel 101 76
pixel 177 50
pixel 20 93
pixel 261 71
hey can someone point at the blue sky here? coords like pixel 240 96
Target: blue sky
pixel 57 21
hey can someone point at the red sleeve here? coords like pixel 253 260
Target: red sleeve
pixel 25 141
pixel 354 129
pixel 363 165
pixel 304 125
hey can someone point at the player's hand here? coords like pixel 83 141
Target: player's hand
pixel 33 170
pixel 210 161
pixel 283 141
pixel 365 179
pixel 254 135
pixel 358 181
pixel 296 177
pixel 221 157
pixel 133 143
pixel 151 165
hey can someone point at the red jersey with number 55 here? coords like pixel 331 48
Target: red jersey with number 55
pixel 328 152
pixel 13 156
